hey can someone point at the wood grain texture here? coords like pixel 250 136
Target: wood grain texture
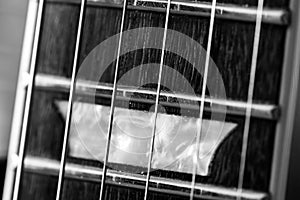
pixel 231 50
pixel 57 41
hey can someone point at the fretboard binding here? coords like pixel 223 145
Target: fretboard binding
pixel 88 173
pixel 83 87
pixel 278 16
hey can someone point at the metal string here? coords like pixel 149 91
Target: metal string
pixel 70 103
pixel 112 107
pixel 205 76
pixel 250 95
pixel 28 101
pixel 157 98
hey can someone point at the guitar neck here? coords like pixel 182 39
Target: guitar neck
pixel 154 99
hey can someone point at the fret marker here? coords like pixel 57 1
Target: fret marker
pixel 174 143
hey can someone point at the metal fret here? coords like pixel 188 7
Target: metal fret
pixel 46 166
pixel 229 11
pixel 280 16
pixel 61 84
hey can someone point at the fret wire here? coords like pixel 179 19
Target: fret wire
pixel 44 166
pixel 234 107
pixel 28 100
pixel 112 107
pixel 70 103
pixel 205 76
pixel 279 16
pixel 250 95
pixel 157 98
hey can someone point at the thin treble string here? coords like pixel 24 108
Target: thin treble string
pixel 112 107
pixel 205 76
pixel 70 103
pixel 28 101
pixel 250 95
pixel 157 98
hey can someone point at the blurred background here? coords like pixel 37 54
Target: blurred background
pixel 12 20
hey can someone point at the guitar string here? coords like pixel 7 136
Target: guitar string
pixel 157 98
pixel 112 107
pixel 250 96
pixel 28 100
pixel 205 77
pixel 70 103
